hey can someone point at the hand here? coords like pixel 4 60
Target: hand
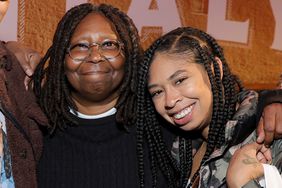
pixel 270 124
pixel 245 164
pixel 27 57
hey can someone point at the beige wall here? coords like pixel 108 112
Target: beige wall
pixel 256 63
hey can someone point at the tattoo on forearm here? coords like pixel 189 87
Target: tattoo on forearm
pixel 250 160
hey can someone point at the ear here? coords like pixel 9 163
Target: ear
pixel 219 62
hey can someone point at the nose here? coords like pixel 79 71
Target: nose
pixel 94 54
pixel 172 97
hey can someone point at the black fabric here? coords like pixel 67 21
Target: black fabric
pixel 267 97
pixel 94 154
pixel 246 120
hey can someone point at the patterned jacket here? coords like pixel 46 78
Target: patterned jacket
pixel 213 171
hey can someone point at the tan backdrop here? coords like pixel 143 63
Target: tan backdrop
pixel 257 64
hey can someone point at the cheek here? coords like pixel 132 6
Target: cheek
pixel 159 106
pixel 118 64
pixel 207 104
pixel 71 65
pixel 117 78
pixel 118 67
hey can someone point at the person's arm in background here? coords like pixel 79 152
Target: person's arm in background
pixel 269 116
pixel 27 57
pixel 266 131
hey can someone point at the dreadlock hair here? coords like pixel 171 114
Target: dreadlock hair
pixel 51 85
pixel 195 46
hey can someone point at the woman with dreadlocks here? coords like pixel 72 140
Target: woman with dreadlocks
pixel 185 81
pixel 88 94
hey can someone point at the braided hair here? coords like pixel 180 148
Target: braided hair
pixel 205 50
pixel 50 84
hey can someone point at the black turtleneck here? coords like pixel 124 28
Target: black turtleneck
pixel 94 154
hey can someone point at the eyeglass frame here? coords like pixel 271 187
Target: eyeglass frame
pixel 121 45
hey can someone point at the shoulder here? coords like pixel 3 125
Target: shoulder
pixel 244 119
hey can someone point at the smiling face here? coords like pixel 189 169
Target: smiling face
pixel 3 8
pixel 95 80
pixel 181 92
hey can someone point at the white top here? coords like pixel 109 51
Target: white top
pixel 272 178
pixel 105 114
pixel 3 122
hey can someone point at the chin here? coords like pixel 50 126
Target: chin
pixel 189 127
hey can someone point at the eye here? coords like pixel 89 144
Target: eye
pixel 156 93
pixel 179 81
pixel 79 47
pixel 110 45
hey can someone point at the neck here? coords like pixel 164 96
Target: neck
pixel 205 133
pixel 94 108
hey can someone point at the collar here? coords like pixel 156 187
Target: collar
pixel 104 114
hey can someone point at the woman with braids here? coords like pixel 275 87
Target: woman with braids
pixel 88 94
pixel 186 84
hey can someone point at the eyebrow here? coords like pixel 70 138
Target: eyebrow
pixel 176 74
pixel 103 36
pixel 169 78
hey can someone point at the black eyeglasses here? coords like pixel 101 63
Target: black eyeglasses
pixel 108 49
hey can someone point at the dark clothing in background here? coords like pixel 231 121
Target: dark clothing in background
pixel 23 117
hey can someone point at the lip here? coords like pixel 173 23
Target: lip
pixel 179 122
pixel 172 112
pixel 93 72
pixel 92 69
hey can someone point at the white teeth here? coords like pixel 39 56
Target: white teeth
pixel 183 113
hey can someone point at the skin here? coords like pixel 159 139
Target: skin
pixel 245 165
pixel 27 57
pixel 3 8
pixel 270 124
pixel 176 86
pixel 96 80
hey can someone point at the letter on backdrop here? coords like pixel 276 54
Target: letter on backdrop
pixel 9 23
pixel 277 13
pixel 166 16
pixel 72 3
pixel 223 29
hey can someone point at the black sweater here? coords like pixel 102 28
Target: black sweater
pixel 94 154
